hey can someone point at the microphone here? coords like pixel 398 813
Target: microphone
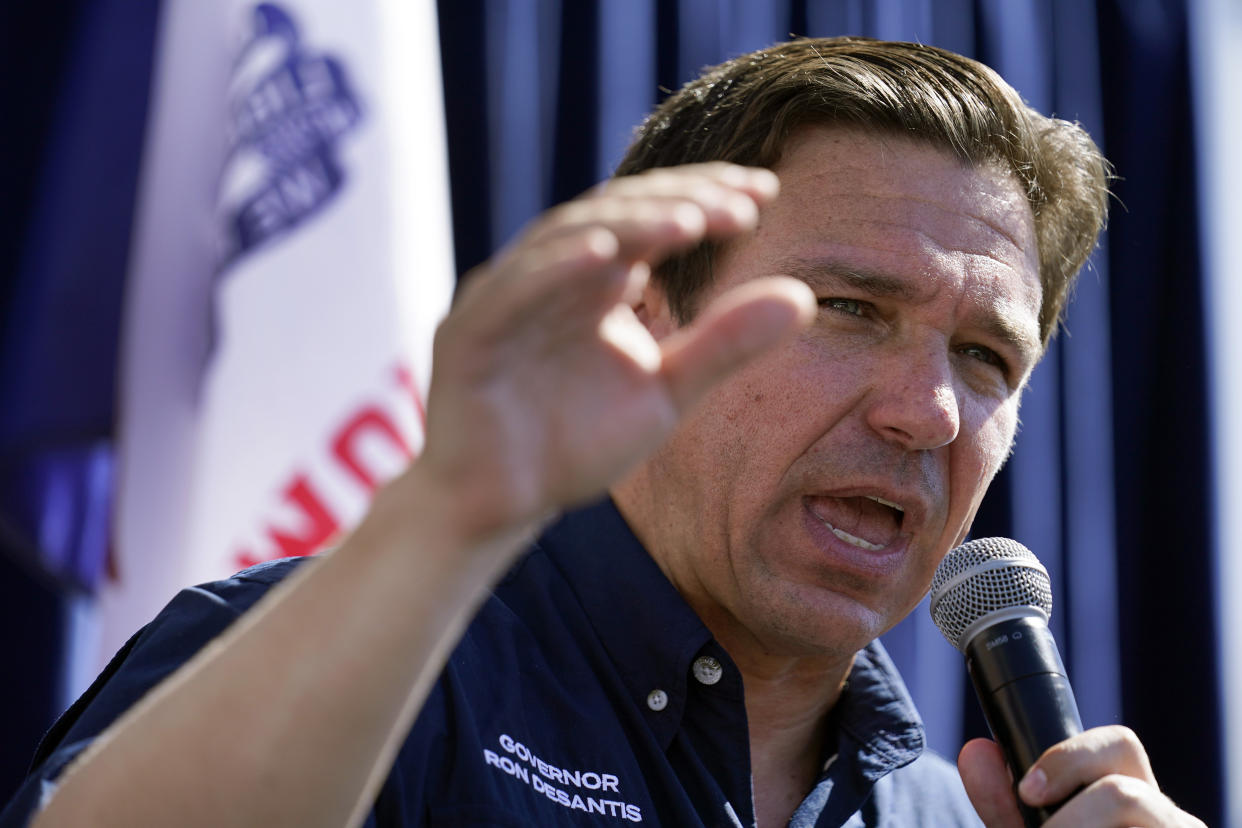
pixel 991 598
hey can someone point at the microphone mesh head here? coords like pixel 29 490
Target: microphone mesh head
pixel 983 577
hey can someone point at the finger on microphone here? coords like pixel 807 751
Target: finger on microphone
pixel 989 784
pixel 1077 762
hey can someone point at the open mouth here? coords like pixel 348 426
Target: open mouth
pixel 868 522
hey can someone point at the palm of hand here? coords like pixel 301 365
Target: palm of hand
pixel 547 387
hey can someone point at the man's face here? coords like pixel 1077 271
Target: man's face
pixel 806 502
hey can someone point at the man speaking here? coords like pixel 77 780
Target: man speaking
pixel 695 440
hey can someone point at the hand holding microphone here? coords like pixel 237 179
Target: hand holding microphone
pixel 991 598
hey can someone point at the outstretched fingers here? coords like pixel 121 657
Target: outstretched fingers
pixel 579 260
pixel 660 211
pixel 736 327
pixel 547 387
pixel 724 197
pixel 582 268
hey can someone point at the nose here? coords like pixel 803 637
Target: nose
pixel 914 402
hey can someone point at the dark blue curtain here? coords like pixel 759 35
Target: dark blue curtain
pixel 1109 482
pixel 74 76
pixel 1163 448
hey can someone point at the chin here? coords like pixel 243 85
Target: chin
pixel 813 621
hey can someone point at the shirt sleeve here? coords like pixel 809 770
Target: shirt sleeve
pixel 193 618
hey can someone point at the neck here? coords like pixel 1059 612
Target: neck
pixel 790 690
pixel 788 702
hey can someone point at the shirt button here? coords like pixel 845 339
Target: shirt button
pixel 707 670
pixel 657 700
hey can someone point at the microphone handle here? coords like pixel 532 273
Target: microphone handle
pixel 1025 694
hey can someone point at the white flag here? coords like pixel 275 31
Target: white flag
pixel 292 256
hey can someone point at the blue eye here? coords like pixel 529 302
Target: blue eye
pixel 851 306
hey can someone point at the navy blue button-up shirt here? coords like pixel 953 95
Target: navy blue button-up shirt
pixel 573 700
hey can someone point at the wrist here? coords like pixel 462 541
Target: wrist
pixel 422 514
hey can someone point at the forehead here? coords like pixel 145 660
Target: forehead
pixel 882 161
pixel 885 204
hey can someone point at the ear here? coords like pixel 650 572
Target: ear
pixel 652 309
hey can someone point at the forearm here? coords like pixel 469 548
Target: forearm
pixel 546 389
pixel 293 715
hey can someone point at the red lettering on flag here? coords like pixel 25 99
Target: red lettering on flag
pixel 405 378
pixel 317 526
pixel 345 446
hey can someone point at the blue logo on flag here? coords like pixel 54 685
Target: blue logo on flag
pixel 288 108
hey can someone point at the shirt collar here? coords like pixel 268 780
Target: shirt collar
pixel 876 716
pixel 649 631
pixel 653 637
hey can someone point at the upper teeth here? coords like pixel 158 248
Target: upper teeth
pixel 887 503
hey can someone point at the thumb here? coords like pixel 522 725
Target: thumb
pixel 989 784
pixel 736 327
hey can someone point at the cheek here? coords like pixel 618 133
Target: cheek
pixel 777 395
pixel 990 439
pixel 750 430
pixel 726 443
pixel 1000 430
pixel 820 376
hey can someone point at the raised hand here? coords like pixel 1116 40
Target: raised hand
pixel 1103 776
pixel 545 385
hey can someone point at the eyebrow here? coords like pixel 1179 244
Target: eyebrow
pixel 827 274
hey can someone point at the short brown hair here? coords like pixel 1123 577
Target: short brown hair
pixel 744 110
